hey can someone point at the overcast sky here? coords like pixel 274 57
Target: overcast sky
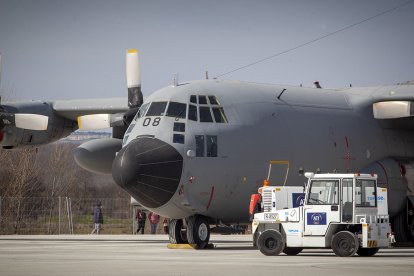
pixel 76 49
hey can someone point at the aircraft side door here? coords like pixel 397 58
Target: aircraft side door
pixel 322 206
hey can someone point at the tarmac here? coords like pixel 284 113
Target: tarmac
pixel 148 255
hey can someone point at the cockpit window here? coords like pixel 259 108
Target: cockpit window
pixel 142 110
pixel 202 100
pixel 211 146
pixel 157 109
pixel 192 112
pixel 209 111
pixel 219 115
pixel 213 100
pixel 205 115
pixel 177 110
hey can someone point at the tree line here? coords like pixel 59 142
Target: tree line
pixel 44 173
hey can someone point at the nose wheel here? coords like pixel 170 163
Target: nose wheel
pixel 198 231
pixel 177 232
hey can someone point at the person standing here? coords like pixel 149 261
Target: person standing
pixel 141 217
pixel 154 218
pixel 165 224
pixel 97 218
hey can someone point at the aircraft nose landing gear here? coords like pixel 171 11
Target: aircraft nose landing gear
pixel 198 231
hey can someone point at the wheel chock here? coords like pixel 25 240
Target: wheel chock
pixel 187 246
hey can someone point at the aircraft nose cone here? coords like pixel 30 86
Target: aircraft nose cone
pixel 148 169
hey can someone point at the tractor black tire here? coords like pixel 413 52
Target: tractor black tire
pixel 271 242
pixel 367 252
pixel 292 251
pixel 255 237
pixel 344 244
pixel 198 231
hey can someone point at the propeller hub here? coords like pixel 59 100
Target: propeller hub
pixel 148 169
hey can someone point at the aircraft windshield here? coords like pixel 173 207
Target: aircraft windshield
pixel 157 109
pixel 177 110
pixel 142 110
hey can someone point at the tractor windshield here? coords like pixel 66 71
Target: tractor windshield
pixel 365 193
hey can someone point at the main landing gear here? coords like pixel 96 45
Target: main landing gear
pixel 197 231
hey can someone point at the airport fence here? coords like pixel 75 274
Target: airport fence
pixel 63 215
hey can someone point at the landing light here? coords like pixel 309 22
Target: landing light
pixel 191 153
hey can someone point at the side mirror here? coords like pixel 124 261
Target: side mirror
pixel 309 174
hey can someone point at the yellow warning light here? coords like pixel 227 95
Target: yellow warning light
pixel 265 183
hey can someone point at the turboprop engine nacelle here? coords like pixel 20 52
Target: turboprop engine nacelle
pixel 31 124
pixel 391 175
pixel 97 155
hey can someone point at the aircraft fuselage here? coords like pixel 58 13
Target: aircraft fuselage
pixel 209 154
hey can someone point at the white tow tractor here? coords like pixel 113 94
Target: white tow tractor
pixel 345 212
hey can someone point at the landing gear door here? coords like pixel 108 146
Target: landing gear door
pixel 322 206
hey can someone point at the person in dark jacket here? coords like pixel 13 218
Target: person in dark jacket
pixel 141 217
pixel 97 218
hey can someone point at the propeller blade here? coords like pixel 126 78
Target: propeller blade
pixel 31 121
pixel 94 121
pixel 133 75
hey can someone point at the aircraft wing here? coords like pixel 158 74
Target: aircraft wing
pixel 394 93
pixel 38 122
pixel 72 109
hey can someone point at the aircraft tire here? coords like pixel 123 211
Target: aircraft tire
pixel 270 242
pixel 399 227
pixel 344 244
pixel 367 252
pixel 410 221
pixel 292 251
pixel 175 231
pixel 198 231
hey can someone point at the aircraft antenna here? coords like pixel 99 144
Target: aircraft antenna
pixel 175 79
pixel 316 39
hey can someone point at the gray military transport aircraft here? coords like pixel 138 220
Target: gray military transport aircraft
pixel 196 151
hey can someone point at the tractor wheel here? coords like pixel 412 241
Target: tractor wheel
pixel 367 252
pixel 271 243
pixel 292 251
pixel 344 244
